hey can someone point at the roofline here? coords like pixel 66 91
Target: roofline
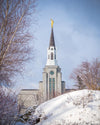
pixel 29 89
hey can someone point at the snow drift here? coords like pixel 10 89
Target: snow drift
pixel 75 108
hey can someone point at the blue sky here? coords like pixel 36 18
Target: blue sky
pixel 77 37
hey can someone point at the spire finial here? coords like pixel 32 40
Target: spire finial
pixel 52 22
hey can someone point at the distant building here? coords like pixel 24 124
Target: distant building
pixel 52 84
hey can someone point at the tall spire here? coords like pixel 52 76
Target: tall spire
pixel 51 54
pixel 52 42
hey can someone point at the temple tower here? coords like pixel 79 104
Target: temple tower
pixel 52 84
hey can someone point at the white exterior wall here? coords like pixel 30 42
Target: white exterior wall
pixel 49 61
pixel 45 83
pixel 28 98
pixel 59 82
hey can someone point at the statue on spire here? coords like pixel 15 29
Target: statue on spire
pixel 52 22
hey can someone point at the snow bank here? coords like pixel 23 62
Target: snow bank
pixel 74 108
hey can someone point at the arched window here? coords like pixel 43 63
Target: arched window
pixel 51 56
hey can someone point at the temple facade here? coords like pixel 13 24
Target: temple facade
pixel 52 84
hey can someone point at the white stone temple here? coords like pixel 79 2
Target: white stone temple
pixel 52 84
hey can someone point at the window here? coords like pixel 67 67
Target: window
pixel 51 87
pixel 51 56
pixel 49 79
pixel 51 72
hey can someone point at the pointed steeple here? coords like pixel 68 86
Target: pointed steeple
pixel 52 42
pixel 51 54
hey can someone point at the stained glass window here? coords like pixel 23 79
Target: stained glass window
pixel 52 87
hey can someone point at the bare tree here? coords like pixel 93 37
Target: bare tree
pixel 89 73
pixel 8 106
pixel 80 84
pixel 15 18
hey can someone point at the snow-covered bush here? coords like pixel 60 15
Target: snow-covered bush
pixel 74 108
pixel 84 100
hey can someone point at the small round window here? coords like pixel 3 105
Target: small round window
pixel 51 72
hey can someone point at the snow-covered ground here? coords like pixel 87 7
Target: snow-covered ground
pixel 74 108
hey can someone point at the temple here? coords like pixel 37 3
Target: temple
pixel 52 84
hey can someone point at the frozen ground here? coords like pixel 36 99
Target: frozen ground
pixel 74 108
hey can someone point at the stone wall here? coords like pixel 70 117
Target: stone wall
pixel 28 98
